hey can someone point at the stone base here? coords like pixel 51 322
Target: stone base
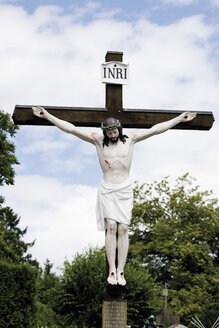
pixel 167 318
pixel 114 314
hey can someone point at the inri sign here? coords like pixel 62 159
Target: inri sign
pixel 115 73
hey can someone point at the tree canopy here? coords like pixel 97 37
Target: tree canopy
pixel 82 290
pixel 174 233
pixel 18 280
pixel 12 247
pixel 7 149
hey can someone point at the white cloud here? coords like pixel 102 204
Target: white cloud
pixel 58 152
pixel 47 54
pixel 175 153
pixel 44 146
pixel 215 2
pixel 180 2
pixel 173 65
pixel 89 8
pixel 93 9
pixel 161 57
pixel 60 217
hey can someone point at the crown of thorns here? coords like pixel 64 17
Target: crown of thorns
pixel 111 126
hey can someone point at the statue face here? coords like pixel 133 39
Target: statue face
pixel 113 135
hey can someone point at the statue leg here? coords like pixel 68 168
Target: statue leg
pixel 110 242
pixel 123 245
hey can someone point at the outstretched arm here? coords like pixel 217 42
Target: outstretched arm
pixel 162 127
pixel 63 125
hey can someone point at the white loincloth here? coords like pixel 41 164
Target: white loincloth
pixel 114 202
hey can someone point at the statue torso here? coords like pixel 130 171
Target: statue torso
pixel 115 160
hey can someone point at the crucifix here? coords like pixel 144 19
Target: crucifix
pixel 114 149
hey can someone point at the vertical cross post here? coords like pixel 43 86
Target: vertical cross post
pixel 165 295
pixel 114 91
pixel 113 105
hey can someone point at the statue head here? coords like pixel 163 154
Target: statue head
pixel 112 131
pixel 151 318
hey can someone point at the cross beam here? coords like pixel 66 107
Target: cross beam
pixel 130 118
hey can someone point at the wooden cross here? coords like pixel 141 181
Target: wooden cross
pixel 130 118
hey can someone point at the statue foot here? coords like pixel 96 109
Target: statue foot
pixel 112 278
pixel 121 279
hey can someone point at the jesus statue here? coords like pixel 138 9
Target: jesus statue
pixel 115 194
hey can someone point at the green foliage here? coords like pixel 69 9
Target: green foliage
pixel 12 248
pixel 46 317
pixel 210 313
pixel 17 295
pixel 17 282
pixel 7 149
pixel 142 295
pixel 82 290
pixel 48 283
pixel 174 233
pixel 47 286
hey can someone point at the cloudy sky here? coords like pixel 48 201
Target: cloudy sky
pixel 50 54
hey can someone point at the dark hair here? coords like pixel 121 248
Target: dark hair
pixel 110 121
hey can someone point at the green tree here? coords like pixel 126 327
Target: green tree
pixel 142 293
pixel 12 248
pixel 174 233
pixel 82 290
pixel 7 149
pixel 47 286
pixel 80 297
pixel 17 280
pixel 17 295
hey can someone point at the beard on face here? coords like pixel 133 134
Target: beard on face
pixel 114 139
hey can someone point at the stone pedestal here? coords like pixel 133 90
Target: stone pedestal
pixel 167 318
pixel 114 314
